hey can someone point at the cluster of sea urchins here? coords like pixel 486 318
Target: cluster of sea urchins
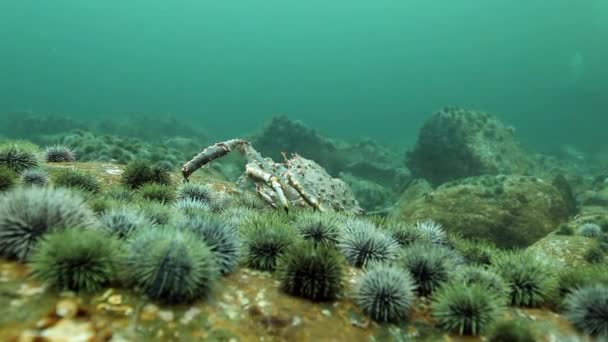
pixel 174 243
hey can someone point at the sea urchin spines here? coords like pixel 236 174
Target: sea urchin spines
pixel 532 281
pixel 319 228
pixel 405 234
pixel 385 293
pixel 266 237
pixel 587 309
pixel 157 192
pixel 19 156
pixel 310 271
pixel 8 178
pixel 171 266
pixel 196 191
pixel 28 213
pixel 71 178
pixel 466 310
pixel 138 173
pixel 35 177
pixel 123 221
pixel 222 239
pixel 361 243
pixel 469 275
pixel 76 259
pixel 429 265
pixel 59 154
pixel 431 231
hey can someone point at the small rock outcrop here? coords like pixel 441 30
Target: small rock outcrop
pixel 457 143
pixel 512 211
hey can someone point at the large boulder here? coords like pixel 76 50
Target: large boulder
pixel 512 211
pixel 457 143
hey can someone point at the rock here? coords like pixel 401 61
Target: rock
pixel 66 308
pixel 371 196
pixel 563 186
pixel 115 299
pixel 458 143
pixel 512 211
pixel 568 250
pixel 69 330
pixel 365 159
pixel 414 190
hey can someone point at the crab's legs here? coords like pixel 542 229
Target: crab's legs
pixel 211 153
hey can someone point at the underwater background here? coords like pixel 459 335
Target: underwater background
pixel 348 68
pixel 299 171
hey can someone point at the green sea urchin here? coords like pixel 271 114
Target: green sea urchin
pixel 532 281
pixel 35 177
pixel 19 156
pixel 8 178
pixel 123 221
pixel 76 259
pixel 385 293
pixel 70 178
pixel 59 154
pixel 221 238
pixel 172 266
pixel 266 237
pixel 361 243
pixel 587 309
pixel 321 229
pixel 27 214
pixel 429 266
pixel 138 173
pixel 466 310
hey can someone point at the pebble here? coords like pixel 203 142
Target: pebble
pixel 149 312
pixel 189 315
pixel 296 320
pixel 66 308
pixel 68 330
pixel 326 312
pixel 28 290
pixel 166 315
pixel 115 299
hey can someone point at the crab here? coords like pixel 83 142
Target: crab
pixel 296 182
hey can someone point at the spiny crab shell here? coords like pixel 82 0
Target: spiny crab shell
pixel 297 182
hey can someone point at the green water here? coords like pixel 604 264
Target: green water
pixel 349 68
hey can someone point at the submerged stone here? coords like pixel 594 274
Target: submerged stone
pixel 511 211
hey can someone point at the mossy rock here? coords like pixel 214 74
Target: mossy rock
pixel 511 211
pixel 456 143
pixel 568 250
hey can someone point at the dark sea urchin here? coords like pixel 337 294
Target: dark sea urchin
pixel 59 154
pixel 321 229
pixel 429 265
pixel 222 239
pixel 171 266
pixel 35 177
pixel 587 309
pixel 76 259
pixel 8 178
pixel 19 156
pixel 361 242
pixel 27 214
pixel 81 180
pixel 138 173
pixel 312 272
pixel 466 310
pixel 123 221
pixel 266 237
pixel 385 293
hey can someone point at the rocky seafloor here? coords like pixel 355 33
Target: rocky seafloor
pixel 466 191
